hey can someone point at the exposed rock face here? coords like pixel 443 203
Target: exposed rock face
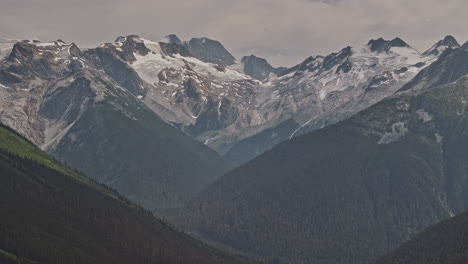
pixel 30 72
pixel 465 46
pixel 259 68
pixel 5 47
pixel 439 47
pixel 211 51
pixel 173 39
pixel 382 45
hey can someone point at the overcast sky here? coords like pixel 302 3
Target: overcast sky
pixel 283 31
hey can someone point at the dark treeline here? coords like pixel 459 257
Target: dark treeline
pixel 444 243
pixel 47 217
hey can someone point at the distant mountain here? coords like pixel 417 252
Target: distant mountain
pixel 204 49
pixel 243 108
pixel 205 100
pixel 439 47
pixel 211 51
pixel 350 192
pixel 451 65
pixel 50 214
pixel 381 45
pixel 171 39
pixel 445 243
pixel 6 47
pixel 64 100
pixel 465 46
pixel 259 68
pixel 324 90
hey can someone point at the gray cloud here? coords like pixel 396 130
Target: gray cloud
pixel 325 1
pixel 283 31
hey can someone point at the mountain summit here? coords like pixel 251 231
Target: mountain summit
pixel 465 46
pixel 204 49
pixel 439 47
pixel 173 39
pixel 381 45
pixel 211 51
pixel 259 68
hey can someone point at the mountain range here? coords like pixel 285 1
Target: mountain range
pixel 346 156
pixel 244 108
pixel 324 90
pixel 237 107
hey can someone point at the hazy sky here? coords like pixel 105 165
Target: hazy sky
pixel 283 31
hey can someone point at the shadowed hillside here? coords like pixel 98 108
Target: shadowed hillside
pixel 51 214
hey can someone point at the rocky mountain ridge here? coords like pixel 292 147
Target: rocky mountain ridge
pixel 324 90
pixel 229 111
pixel 244 108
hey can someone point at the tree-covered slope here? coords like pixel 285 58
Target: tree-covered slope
pixel 444 243
pixel 138 154
pixel 50 214
pixel 350 192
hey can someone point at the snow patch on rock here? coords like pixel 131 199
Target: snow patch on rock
pixel 424 116
pixel 399 130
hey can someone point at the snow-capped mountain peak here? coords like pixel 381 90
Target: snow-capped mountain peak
pixel 172 39
pixel 159 57
pixel 381 45
pixel 196 95
pixel 209 50
pixel 442 45
pixel 55 77
pixel 257 68
pixel 220 104
pixel 120 39
pixel 465 46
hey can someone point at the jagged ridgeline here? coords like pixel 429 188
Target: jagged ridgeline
pixel 350 192
pixel 324 90
pixel 52 214
pixel 238 108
